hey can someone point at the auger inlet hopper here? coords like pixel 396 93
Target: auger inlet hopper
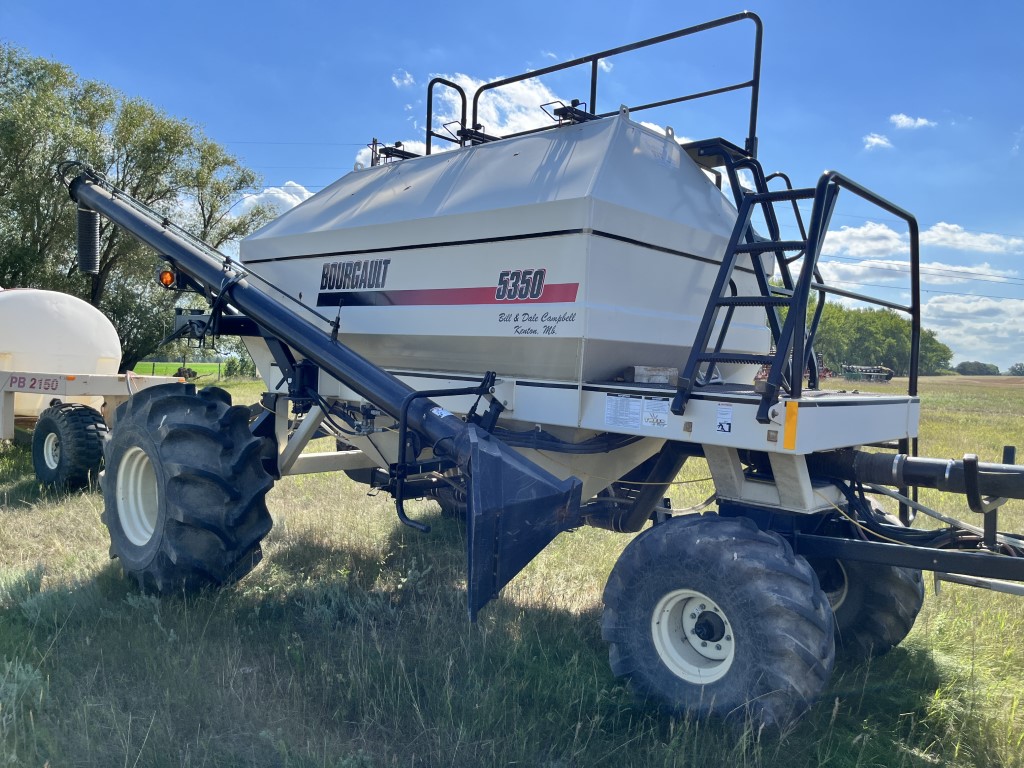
pixel 537 330
pixel 566 256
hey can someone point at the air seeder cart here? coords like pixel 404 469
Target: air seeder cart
pixel 539 330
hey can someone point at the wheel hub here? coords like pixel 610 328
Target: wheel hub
pixel 693 636
pixel 51 450
pixel 137 496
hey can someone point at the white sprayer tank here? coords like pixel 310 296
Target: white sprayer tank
pixel 51 332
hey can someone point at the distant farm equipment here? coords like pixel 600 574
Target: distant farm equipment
pixel 876 373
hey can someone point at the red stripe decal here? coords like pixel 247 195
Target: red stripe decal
pixel 554 293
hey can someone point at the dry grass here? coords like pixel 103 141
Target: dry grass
pixel 349 646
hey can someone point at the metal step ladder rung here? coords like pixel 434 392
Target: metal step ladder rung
pixel 781 196
pixel 754 301
pixel 764 246
pixel 735 357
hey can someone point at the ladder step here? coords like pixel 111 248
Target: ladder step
pixel 755 301
pixel 735 357
pixel 771 245
pixel 781 195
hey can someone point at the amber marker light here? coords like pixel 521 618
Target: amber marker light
pixel 166 277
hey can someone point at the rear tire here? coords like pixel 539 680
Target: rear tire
pixel 875 606
pixel 184 490
pixel 67 446
pixel 712 616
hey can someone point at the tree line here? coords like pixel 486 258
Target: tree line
pixel 876 337
pixel 47 115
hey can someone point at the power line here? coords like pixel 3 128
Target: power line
pixel 951 274
pixel 844 283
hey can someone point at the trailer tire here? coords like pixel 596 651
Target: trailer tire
pixel 184 490
pixel 711 616
pixel 875 606
pixel 67 446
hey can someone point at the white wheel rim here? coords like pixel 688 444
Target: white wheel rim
pixel 837 596
pixel 693 636
pixel 51 450
pixel 137 496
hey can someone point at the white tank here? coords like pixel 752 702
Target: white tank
pixel 51 332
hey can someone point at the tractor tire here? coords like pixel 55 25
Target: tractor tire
pixel 67 446
pixel 184 490
pixel 710 616
pixel 875 606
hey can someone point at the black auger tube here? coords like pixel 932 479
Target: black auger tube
pixel 900 470
pixel 353 370
pixel 515 507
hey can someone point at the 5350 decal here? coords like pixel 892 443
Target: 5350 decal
pixel 520 284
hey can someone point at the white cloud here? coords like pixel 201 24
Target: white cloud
pixel 874 239
pixel 978 328
pixel 956 237
pixel 933 273
pixel 549 55
pixel 869 239
pixel 402 79
pixel 288 195
pixel 876 141
pixel 906 122
pixel 502 111
pixel 605 66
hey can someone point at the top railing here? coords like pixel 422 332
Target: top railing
pixel 594 61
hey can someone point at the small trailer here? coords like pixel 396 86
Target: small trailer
pixel 539 330
pixel 875 373
pixel 58 379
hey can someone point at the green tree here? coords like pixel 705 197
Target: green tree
pixel 873 337
pixel 1017 369
pixel 47 114
pixel 876 337
pixel 976 368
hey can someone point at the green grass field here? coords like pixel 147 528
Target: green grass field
pixel 349 645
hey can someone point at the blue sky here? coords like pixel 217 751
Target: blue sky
pixel 921 102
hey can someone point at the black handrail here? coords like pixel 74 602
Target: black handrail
pixel 431 134
pixel 825 193
pixel 594 59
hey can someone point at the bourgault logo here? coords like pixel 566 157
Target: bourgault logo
pixel 354 275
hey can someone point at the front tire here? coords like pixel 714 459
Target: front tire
pixel 712 616
pixel 184 490
pixel 67 446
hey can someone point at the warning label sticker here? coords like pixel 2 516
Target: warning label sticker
pixel 635 411
pixel 655 412
pixel 723 418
